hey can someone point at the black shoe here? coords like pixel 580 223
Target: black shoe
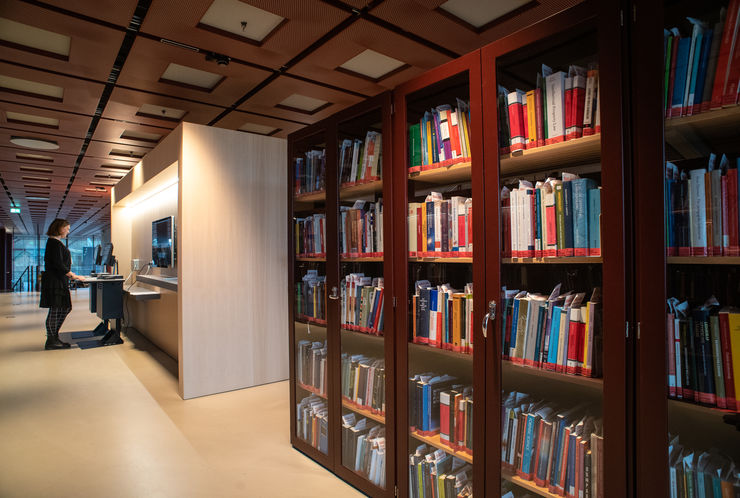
pixel 53 342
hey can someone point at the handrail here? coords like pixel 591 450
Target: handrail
pixel 20 279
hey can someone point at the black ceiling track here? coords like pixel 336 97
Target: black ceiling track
pixel 128 40
pixel 79 225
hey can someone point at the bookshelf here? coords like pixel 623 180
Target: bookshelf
pixel 578 151
pixel 440 260
pixel 676 153
pixel 587 260
pixel 527 485
pixel 436 442
pixel 349 191
pixel 441 175
pixel 363 411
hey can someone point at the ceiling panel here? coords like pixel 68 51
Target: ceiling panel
pixel 307 21
pixel 149 59
pixel 103 150
pixel 98 163
pixel 93 48
pixel 116 132
pixel 238 119
pixel 124 104
pixel 67 145
pixel 8 154
pixel 70 125
pixel 321 65
pixel 79 95
pixel 118 12
pixel 274 93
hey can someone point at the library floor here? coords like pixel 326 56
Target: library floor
pixel 109 422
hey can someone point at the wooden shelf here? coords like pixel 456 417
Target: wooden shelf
pixel 310 197
pixel 437 443
pixel 456 173
pixel 580 150
pixel 528 485
pixel 310 389
pixel 360 189
pixel 362 259
pixel 703 260
pixel 691 136
pixel 709 411
pixel 510 368
pixel 554 261
pixel 362 411
pixel 316 260
pixel 441 260
pixel 362 334
pixel 440 351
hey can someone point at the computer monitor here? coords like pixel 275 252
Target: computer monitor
pixel 163 242
pixel 105 256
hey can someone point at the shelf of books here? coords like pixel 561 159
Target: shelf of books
pixel 311 393
pixel 366 428
pixel 438 157
pixel 692 291
pixel 548 101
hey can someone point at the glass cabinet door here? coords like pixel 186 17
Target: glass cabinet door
pixel 690 269
pixel 438 343
pixel 311 360
pixel 365 348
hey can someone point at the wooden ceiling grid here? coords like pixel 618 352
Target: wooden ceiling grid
pixel 120 49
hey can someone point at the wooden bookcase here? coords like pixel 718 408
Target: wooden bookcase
pixel 686 141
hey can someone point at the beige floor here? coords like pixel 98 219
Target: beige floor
pixel 108 422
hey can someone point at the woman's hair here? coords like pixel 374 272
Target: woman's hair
pixel 55 229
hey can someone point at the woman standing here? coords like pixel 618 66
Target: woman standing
pixel 55 282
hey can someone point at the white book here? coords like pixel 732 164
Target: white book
pixel 514 221
pixel 588 107
pixel 555 92
pixel 697 212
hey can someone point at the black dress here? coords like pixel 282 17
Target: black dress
pixel 55 283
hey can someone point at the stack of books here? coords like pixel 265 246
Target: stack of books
pixel 310 236
pixel 703 346
pixel 363 448
pixel 310 172
pixel 363 382
pixel 311 366
pixel 441 138
pixel 312 422
pixel 441 228
pixel 701 207
pixel 559 332
pixel 442 317
pixel 434 473
pixel 361 229
pixel 709 474
pixel 553 218
pixel 563 106
pixel 362 303
pixel 701 66
pixel 556 448
pixel 311 298
pixel 361 162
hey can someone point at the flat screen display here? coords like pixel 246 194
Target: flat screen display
pixel 163 242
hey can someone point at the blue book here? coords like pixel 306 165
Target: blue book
pixel 514 319
pixel 568 218
pixel 430 226
pixel 529 443
pixel 552 352
pixel 594 222
pixel 558 451
pixel 539 244
pixel 541 320
pixel 571 470
pixel 679 80
pixel 703 63
pixel 581 186
pixel 694 70
pixel 422 313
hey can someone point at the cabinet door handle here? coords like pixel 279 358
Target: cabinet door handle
pixel 333 294
pixel 491 315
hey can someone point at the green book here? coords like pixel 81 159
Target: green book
pixel 414 145
pixel 667 72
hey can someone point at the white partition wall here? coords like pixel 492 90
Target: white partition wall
pixel 231 261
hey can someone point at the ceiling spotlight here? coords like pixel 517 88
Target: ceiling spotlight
pixel 34 143
pixel 220 59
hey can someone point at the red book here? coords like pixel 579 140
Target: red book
pixel 539 117
pixel 727 370
pixel 732 212
pixel 419 235
pixel 541 432
pixel 506 220
pixel 672 79
pixel 725 55
pixel 525 121
pixel 455 135
pixel 572 358
pixel 733 75
pixel 671 350
pixel 568 106
pixel 516 120
pixel 469 237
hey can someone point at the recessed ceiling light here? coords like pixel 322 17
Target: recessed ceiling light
pixel 116 166
pixel 107 184
pixel 160 112
pixel 141 136
pixel 36 178
pixel 111 175
pixel 30 119
pixel 372 64
pixel 36 169
pixel 34 157
pixel 34 143
pixel 31 88
pixel 190 77
pixel 478 13
pixel 37 198
pixel 38 40
pixel 33 185
pixel 258 128
pixel 126 153
pixel 240 19
pixel 302 103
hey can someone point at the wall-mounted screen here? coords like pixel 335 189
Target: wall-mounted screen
pixel 163 242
